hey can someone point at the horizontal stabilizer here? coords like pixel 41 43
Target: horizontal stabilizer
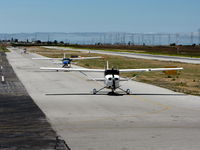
pixel 73 69
pixel 124 79
pixel 46 58
pixel 57 62
pixel 78 58
pixel 82 58
pixel 96 79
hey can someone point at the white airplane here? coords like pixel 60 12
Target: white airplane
pixel 66 62
pixel 111 76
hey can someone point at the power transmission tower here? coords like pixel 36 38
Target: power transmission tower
pixel 133 42
pixel 153 39
pixel 191 38
pixel 36 36
pixel 159 38
pixel 169 39
pixel 142 38
pixel 48 38
pixel 199 36
pixel 177 38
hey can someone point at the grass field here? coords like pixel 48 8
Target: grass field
pixel 184 51
pixel 3 49
pixel 185 81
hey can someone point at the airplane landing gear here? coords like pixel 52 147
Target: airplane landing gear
pixel 128 91
pixel 94 91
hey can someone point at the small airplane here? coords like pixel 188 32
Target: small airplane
pixel 66 62
pixel 111 76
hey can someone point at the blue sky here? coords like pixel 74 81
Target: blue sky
pixel 142 16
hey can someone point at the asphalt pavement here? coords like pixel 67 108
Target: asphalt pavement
pixel 23 126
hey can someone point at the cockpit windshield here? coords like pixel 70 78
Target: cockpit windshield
pixel 114 72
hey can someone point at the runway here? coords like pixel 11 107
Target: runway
pixel 152 118
pixel 136 55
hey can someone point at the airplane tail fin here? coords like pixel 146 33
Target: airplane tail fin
pixel 107 66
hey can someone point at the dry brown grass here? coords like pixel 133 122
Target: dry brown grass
pixel 186 81
pixel 3 49
pixel 180 50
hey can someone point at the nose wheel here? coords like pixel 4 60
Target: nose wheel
pixel 128 91
pixel 94 91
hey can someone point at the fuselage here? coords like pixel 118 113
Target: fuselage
pixel 66 61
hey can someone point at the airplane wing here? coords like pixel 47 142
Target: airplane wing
pixel 82 58
pixel 73 69
pixel 103 70
pixel 96 79
pixel 79 58
pixel 46 58
pixel 57 62
pixel 149 69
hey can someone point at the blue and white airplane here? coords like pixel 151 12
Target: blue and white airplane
pixel 66 62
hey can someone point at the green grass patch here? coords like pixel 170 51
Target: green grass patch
pixel 3 49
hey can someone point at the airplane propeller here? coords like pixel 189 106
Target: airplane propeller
pixel 113 75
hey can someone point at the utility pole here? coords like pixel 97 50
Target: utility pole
pixel 133 42
pixel 159 37
pixel 191 38
pixel 35 36
pixel 177 38
pixel 104 38
pixel 153 40
pixel 143 39
pixel 169 39
pixel 48 38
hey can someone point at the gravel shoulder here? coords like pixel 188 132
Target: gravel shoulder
pixel 22 123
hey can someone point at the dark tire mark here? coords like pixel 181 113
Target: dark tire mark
pixel 22 123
